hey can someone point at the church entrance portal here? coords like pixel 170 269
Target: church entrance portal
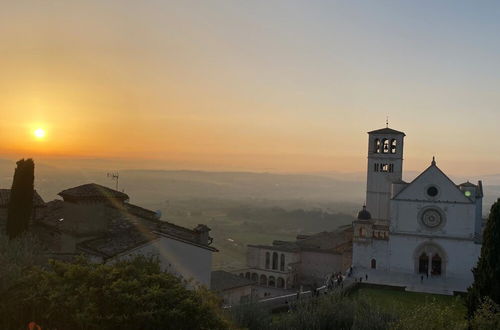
pixel 436 265
pixel 423 264
pixel 430 259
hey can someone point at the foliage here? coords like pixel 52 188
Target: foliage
pixel 326 312
pixel 21 198
pixel 16 257
pixel 431 316
pixel 487 272
pixel 487 316
pixel 133 294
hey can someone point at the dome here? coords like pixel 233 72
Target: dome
pixel 364 214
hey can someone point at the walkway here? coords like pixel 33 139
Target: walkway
pixel 413 282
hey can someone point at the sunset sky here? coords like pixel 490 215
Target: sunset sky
pixel 281 86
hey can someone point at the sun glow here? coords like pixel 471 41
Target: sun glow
pixel 39 133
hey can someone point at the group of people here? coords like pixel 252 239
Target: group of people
pixel 335 280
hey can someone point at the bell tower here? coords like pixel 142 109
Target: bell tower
pixel 385 166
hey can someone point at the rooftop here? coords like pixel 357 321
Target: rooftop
pixel 222 280
pixel 92 191
pixel 386 130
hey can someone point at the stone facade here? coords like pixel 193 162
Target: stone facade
pixel 428 227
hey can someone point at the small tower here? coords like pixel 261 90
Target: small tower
pixel 385 166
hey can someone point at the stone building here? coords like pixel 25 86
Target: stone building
pixel 429 227
pixel 287 265
pixel 100 222
pixel 233 289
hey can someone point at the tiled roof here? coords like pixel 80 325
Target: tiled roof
pixel 118 242
pixel 5 197
pixel 386 130
pixel 92 190
pixel 222 280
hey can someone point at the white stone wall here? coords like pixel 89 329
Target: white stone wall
pixel 178 258
pixel 460 255
pixel 363 253
pixel 459 219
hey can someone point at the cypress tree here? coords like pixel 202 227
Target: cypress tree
pixel 487 272
pixel 21 198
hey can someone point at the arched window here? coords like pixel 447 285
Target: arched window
pixel 263 280
pixel 275 260
pixel 385 146
pixel 376 146
pixel 280 283
pixel 255 277
pixel 282 262
pixel 361 232
pixel 272 281
pixel 393 146
pixel 374 264
pixel 268 260
pixel 247 275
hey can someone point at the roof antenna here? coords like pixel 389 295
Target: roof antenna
pixel 114 176
pixel 387 122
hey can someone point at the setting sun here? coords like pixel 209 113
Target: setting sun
pixel 39 133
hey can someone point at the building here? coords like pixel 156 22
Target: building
pixel 233 289
pixel 306 262
pixel 100 223
pixel 428 228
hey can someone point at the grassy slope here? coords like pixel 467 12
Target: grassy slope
pixel 401 302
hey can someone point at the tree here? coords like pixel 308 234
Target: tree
pixel 21 198
pixel 487 272
pixel 132 294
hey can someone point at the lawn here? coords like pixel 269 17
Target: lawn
pixel 401 302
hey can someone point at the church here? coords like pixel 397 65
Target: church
pixel 423 235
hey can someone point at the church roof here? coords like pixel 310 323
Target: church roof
pixel 433 165
pixel 386 130
pixel 364 214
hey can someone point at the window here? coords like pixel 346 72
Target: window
pixel 272 281
pixel 268 260
pixel 282 262
pixel 376 148
pixel 432 191
pixel 263 280
pixel 389 168
pixel 385 146
pixel 247 275
pixel 376 167
pixel 374 263
pixel 393 146
pixel 255 277
pixel 275 260
pixel 280 283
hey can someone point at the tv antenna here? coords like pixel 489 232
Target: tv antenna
pixel 114 176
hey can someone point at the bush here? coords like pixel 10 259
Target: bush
pixel 326 312
pixel 487 316
pixel 133 294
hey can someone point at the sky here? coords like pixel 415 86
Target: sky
pixel 278 86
